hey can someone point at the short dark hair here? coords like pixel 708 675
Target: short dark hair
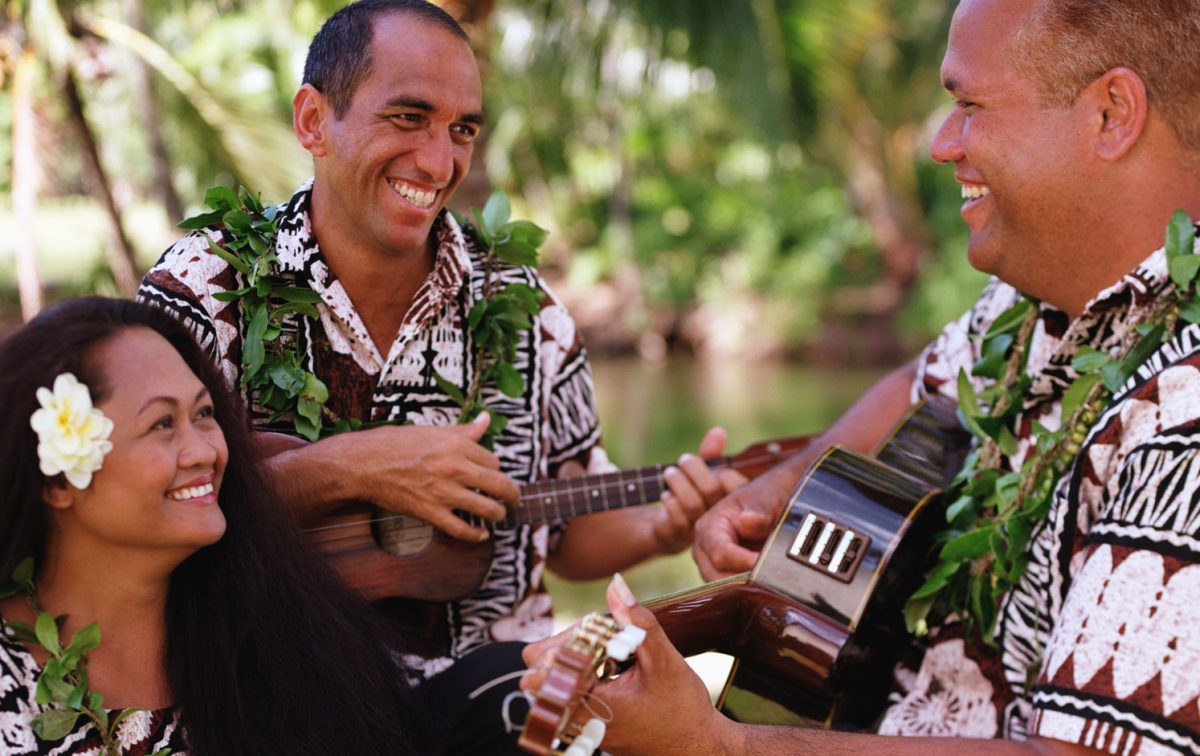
pixel 1067 44
pixel 339 58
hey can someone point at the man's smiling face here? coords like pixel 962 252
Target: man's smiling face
pixel 394 159
pixel 1019 163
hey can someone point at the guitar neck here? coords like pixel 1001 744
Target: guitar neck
pixel 548 500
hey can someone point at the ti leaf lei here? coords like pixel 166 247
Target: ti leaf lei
pixel 991 511
pixel 271 366
pixel 63 681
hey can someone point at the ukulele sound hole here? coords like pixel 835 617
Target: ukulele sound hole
pixel 400 535
pixel 828 547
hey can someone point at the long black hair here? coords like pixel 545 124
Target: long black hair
pixel 266 651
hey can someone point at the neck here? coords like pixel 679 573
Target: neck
pixel 380 283
pixel 1126 220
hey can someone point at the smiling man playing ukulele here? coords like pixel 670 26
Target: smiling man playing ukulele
pixel 390 110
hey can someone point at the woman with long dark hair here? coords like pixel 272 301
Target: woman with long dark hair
pixel 126 473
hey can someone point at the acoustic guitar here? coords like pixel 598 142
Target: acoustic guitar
pixel 816 627
pixel 385 555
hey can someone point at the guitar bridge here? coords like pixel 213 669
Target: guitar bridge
pixel 829 547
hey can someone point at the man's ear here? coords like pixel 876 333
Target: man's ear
pixel 58 494
pixel 310 111
pixel 1121 107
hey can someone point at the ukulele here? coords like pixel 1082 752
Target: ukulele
pixel 816 626
pixel 386 555
pixel 560 720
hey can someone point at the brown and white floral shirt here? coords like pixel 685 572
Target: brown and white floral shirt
pixel 1099 643
pixel 554 421
pixel 140 733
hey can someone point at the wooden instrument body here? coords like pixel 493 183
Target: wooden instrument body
pixel 816 646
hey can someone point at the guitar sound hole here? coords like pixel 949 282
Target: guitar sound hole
pixel 828 547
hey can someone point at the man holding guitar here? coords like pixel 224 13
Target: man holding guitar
pixel 390 109
pixel 1075 135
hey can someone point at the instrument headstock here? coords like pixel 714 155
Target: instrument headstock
pixel 560 721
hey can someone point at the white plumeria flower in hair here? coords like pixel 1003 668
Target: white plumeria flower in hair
pixel 72 434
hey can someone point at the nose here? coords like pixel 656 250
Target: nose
pixel 947 140
pixel 198 448
pixel 435 158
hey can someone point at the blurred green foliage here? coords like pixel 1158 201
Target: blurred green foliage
pixel 717 176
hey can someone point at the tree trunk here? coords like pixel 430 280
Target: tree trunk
pixel 26 174
pixel 143 92
pixel 120 252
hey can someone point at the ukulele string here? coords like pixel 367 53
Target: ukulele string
pixel 419 528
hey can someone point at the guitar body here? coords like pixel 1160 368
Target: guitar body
pixel 816 626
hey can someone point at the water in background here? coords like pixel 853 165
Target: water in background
pixel 652 413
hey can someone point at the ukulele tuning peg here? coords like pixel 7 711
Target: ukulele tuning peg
pixel 625 642
pixel 588 740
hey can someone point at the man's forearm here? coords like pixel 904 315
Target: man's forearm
pixel 309 480
pixel 743 738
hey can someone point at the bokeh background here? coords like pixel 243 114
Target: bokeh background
pixel 743 216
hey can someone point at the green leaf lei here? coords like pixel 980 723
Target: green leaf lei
pixel 63 681
pixel 991 512
pixel 271 366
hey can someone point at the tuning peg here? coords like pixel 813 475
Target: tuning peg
pixel 588 740
pixel 625 642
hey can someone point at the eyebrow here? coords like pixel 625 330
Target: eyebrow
pixel 171 400
pixel 416 103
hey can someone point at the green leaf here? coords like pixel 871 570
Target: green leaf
pixel 54 724
pixel 23 574
pixel 498 423
pixel 937 579
pixel 1075 394
pixel 253 352
pixel 995 357
pixel 234 261
pixel 288 377
pixel 85 639
pixel 450 390
pixel 314 389
pixel 197 222
pixel 297 294
pixel 961 504
pixel 1011 319
pixel 1088 360
pixel 237 221
pixel 1007 441
pixel 496 212
pixel 75 700
pixel 1184 269
pixel 47 633
pixel 1112 377
pixel 308 408
pixel 509 381
pixel 516 252
pixel 475 316
pixel 232 295
pixel 1148 345
pixel 1180 234
pixel 221 198
pixel 967 546
pixel 915 612
pixel 1190 311
pixel 305 427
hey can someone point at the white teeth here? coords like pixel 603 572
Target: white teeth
pixel 418 197
pixel 974 191
pixel 192 492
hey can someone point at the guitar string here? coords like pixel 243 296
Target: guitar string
pixel 571 488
